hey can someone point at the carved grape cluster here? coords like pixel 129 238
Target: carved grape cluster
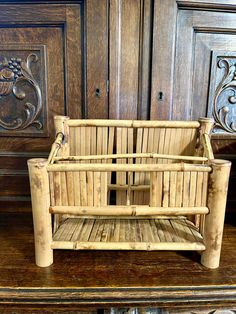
pixel 14 64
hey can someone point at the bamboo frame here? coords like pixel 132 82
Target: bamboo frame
pixel 133 123
pixel 127 210
pixel 162 182
pixel 139 155
pixel 128 167
pixel 138 246
pixel 214 221
pixel 39 185
pixel 55 147
pixel 207 146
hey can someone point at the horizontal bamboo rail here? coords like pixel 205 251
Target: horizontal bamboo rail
pixel 207 146
pixel 124 187
pixel 146 246
pixel 73 167
pixel 116 210
pixel 55 147
pixel 133 123
pixel 139 155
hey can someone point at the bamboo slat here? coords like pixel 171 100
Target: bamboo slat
pixel 142 176
pixel 208 152
pixel 173 179
pixel 129 167
pixel 126 210
pixel 133 123
pixel 138 161
pixel 122 234
pixel 166 188
pixel 179 189
pixel 121 176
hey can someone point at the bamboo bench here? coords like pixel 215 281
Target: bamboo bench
pixel 129 185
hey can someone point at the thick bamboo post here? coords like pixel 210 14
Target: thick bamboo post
pixel 39 185
pixel 216 202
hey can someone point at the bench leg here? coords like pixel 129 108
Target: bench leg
pixel 40 198
pixel 214 222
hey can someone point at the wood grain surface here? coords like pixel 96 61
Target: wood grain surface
pixel 107 278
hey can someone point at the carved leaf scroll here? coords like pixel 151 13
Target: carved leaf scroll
pixel 223 111
pixel 14 74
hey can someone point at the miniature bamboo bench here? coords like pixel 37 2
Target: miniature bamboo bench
pixel 170 192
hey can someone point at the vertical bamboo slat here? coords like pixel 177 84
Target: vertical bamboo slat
pixel 143 175
pixel 166 188
pixel 130 160
pixel 138 161
pixel 121 176
pixel 156 188
pixel 179 189
pixel 97 188
pixel 90 185
pixel 173 178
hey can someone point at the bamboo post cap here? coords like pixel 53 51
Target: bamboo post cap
pixel 37 162
pixel 61 117
pixel 204 119
pixel 220 163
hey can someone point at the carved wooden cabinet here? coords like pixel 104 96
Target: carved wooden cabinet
pixel 40 76
pixel 120 59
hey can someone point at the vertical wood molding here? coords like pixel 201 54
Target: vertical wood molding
pixel 73 64
pixel 97 59
pixel 114 60
pixel 145 58
pixel 164 33
pixel 124 62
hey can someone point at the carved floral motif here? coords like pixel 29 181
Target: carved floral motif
pixel 223 115
pixel 14 73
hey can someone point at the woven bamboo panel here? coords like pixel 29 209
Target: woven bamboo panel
pixel 183 188
pixel 133 232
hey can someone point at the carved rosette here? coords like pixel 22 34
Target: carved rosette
pixel 224 111
pixel 14 74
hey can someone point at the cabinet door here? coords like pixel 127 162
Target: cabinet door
pixel 118 58
pixel 200 76
pixel 39 69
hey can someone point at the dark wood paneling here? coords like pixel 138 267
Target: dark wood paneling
pixel 164 31
pixel 130 57
pixel 97 20
pixel 53 34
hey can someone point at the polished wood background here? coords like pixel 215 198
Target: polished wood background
pixel 119 59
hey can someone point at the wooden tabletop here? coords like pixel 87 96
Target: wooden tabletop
pixel 109 278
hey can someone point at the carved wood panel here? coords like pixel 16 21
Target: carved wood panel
pixel 222 93
pixel 40 76
pixel 23 99
pixel 196 82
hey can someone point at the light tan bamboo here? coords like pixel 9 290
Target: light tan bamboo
pixel 39 186
pixel 116 210
pixel 138 246
pixel 55 147
pixel 59 123
pixel 207 146
pixel 125 187
pixel 133 123
pixel 137 155
pixel 214 221
pixel 129 167
pixel 206 125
